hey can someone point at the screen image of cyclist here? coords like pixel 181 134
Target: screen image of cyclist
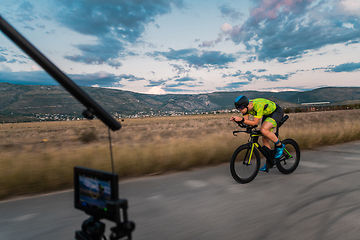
pixel 94 193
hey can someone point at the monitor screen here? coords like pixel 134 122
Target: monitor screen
pixel 93 188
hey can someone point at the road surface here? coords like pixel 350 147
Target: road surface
pixel 320 200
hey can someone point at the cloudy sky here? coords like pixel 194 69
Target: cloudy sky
pixel 187 46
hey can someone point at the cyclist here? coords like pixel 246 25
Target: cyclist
pixel 270 112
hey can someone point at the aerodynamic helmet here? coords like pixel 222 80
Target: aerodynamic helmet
pixel 241 102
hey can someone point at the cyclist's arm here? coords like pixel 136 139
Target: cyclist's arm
pixel 254 122
pixel 239 119
pixel 246 120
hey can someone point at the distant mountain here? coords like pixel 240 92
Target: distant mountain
pixel 31 100
pixel 328 94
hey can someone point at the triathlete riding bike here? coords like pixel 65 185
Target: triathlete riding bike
pixel 271 114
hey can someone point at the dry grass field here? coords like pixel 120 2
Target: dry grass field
pixel 39 157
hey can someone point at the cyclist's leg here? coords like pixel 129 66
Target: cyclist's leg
pixel 268 124
pixel 266 128
pixel 266 142
pixel 276 117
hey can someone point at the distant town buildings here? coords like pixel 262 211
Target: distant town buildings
pixel 304 107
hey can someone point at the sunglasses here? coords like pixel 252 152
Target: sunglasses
pixel 241 107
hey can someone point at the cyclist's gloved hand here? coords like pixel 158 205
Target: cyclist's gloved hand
pixel 236 119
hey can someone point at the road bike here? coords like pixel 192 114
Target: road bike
pixel 245 161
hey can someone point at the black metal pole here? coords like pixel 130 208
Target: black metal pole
pixel 59 76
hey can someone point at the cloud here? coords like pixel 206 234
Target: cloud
pixel 34 68
pixel 248 75
pixel 285 30
pixel 30 28
pixel 226 27
pixel 26 6
pixel 346 67
pixel 196 58
pixel 185 79
pixel 2 58
pixel 233 86
pixel 179 69
pixel 351 6
pixel 166 85
pixel 27 78
pixel 115 24
pixel 25 12
pixel 5 68
pixel 101 79
pixel 227 11
pixel 130 77
pixel 212 43
pixel 153 83
pixel 207 44
pixel 276 77
pixel 156 90
pixel 105 51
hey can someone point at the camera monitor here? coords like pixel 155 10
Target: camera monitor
pixel 93 189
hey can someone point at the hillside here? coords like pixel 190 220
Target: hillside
pixel 30 101
pixel 327 94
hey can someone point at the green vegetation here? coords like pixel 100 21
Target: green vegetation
pixel 39 157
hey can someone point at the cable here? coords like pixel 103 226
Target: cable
pixel 111 154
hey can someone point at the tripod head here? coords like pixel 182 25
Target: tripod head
pixel 93 229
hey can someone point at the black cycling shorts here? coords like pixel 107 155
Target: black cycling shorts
pixel 276 115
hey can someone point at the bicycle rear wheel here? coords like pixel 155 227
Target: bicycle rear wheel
pixel 243 169
pixel 289 161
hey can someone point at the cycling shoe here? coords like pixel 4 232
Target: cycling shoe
pixel 279 151
pixel 264 168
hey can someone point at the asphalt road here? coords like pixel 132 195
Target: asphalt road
pixel 320 200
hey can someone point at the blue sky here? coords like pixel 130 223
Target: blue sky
pixel 183 46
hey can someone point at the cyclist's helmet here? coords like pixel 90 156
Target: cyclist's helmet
pixel 241 102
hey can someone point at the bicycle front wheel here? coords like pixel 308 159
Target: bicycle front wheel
pixel 244 166
pixel 289 161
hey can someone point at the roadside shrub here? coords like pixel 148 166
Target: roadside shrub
pixel 89 135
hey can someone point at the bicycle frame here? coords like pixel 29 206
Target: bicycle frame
pixel 254 142
pixel 254 138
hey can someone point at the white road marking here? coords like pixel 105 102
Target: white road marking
pixel 196 183
pixel 24 217
pixel 312 165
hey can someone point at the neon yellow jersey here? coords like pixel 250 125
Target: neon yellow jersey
pixel 261 107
